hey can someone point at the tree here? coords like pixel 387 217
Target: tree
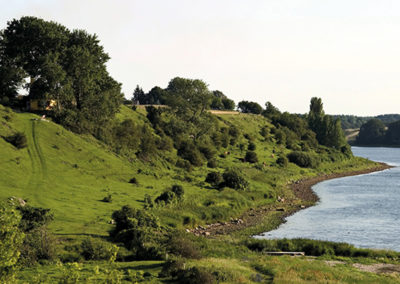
pixel 61 65
pixel 138 96
pixel 371 132
pixel 249 107
pixel 188 98
pixel 221 102
pixel 328 131
pixel 270 110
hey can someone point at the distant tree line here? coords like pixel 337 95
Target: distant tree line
pixel 354 122
pixel 375 132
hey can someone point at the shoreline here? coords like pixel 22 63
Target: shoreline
pixel 303 191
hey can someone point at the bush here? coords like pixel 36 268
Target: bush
pixel 208 152
pixel 107 199
pixel 303 159
pixel 34 217
pixel 181 246
pixel 251 146
pixel 97 249
pixel 184 164
pixel 195 275
pixel 18 140
pixel 214 178
pixel 134 181
pixel 282 161
pixel 176 192
pixel 235 180
pixel 189 152
pixel 138 230
pixel 212 164
pixel 251 157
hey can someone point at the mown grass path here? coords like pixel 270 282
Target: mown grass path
pixel 38 173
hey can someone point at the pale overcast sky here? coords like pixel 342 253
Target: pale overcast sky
pixel 283 51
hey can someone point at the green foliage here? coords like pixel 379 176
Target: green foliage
pixel 251 157
pixel 372 132
pixel 34 217
pixel 234 179
pixel 188 151
pixel 18 140
pixel 66 66
pixel 252 146
pixel 250 107
pixel 214 178
pixel 302 159
pixel 195 275
pixel 39 244
pixel 97 249
pixel 187 98
pixel 328 131
pixel 175 193
pixel 180 245
pixel 221 102
pixel 11 239
pixel 138 231
pixel 212 163
pixel 282 161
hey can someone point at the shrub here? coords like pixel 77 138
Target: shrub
pixel 302 159
pixel 195 275
pixel 214 178
pixel 181 246
pixel 235 180
pixel 34 217
pixel 134 181
pixel 107 199
pixel 282 161
pixel 212 164
pixel 97 249
pixel 184 164
pixel 178 190
pixel 251 157
pixel 18 140
pixel 208 152
pixel 251 146
pixel 189 152
pixel 138 230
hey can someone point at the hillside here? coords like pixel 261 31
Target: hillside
pixel 71 174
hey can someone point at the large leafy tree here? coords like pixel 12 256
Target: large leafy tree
pixel 188 98
pixel 66 66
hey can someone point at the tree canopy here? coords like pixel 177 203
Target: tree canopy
pixel 62 65
pixel 250 107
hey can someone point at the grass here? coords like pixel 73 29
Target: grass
pixel 71 174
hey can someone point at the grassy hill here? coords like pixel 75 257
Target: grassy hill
pixel 71 174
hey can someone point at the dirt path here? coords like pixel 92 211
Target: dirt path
pixel 302 190
pixel 38 163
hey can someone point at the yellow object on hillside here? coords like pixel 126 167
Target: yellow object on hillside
pixel 38 105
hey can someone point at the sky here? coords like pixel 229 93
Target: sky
pixel 284 51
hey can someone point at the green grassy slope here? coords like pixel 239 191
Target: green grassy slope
pixel 71 174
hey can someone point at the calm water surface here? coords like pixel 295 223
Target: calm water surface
pixel 361 210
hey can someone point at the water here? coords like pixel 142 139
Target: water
pixel 361 210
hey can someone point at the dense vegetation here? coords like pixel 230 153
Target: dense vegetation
pixel 375 133
pixel 115 199
pixel 353 122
